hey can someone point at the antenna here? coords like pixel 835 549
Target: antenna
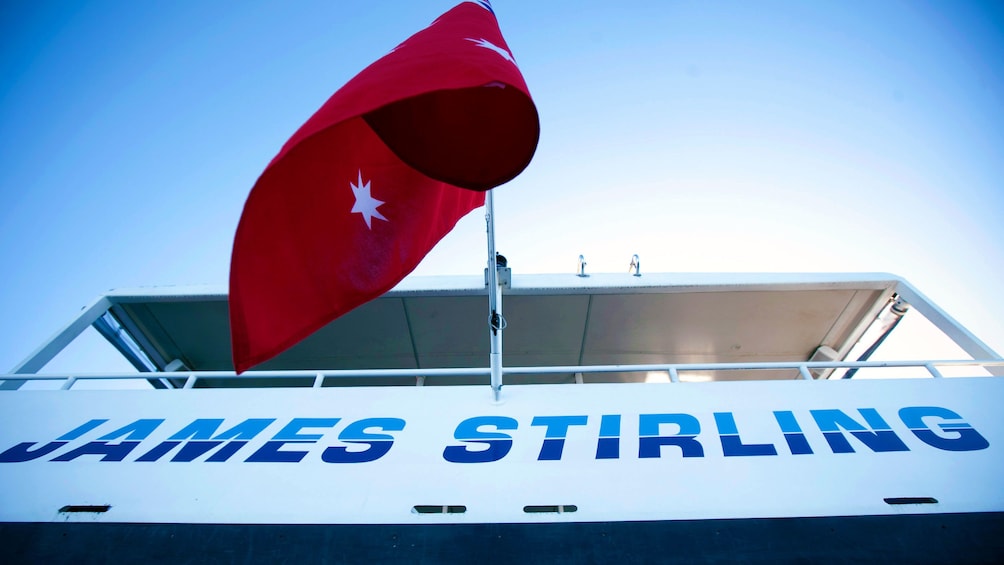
pixel 635 265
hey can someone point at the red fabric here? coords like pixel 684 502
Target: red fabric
pixel 425 130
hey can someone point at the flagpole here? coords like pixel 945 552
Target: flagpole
pixel 496 323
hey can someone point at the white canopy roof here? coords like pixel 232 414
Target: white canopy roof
pixel 553 320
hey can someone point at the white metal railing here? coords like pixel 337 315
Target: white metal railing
pixel 673 371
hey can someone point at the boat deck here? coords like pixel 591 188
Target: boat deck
pixel 560 329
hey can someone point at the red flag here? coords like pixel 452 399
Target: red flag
pixel 375 178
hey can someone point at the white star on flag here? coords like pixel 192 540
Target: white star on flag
pixel 489 45
pixel 365 204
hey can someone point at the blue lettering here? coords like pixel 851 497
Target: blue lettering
pixel 732 444
pixel 792 433
pixel 191 450
pixel 109 451
pixel 270 453
pixel 225 452
pixel 291 431
pixel 554 437
pixel 140 429
pixel 355 433
pixel 160 450
pixel 962 437
pixel 484 439
pixel 200 431
pixel 608 446
pixel 650 441
pixel 80 430
pixel 194 449
pixel 882 439
pixel 246 430
pixel 498 443
pixel 21 452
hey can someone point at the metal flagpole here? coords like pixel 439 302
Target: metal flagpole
pixel 496 322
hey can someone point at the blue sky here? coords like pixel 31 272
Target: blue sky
pixel 704 136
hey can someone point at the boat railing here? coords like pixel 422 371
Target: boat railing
pixel 673 371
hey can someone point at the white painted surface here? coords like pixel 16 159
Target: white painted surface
pixel 414 471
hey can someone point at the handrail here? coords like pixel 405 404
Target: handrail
pixel 672 369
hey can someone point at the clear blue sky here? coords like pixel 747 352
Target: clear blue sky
pixel 704 136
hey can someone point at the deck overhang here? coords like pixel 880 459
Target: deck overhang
pixel 553 320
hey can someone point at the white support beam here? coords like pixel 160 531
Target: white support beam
pixel 38 359
pixel 949 326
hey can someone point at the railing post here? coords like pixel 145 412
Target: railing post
pixel 933 370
